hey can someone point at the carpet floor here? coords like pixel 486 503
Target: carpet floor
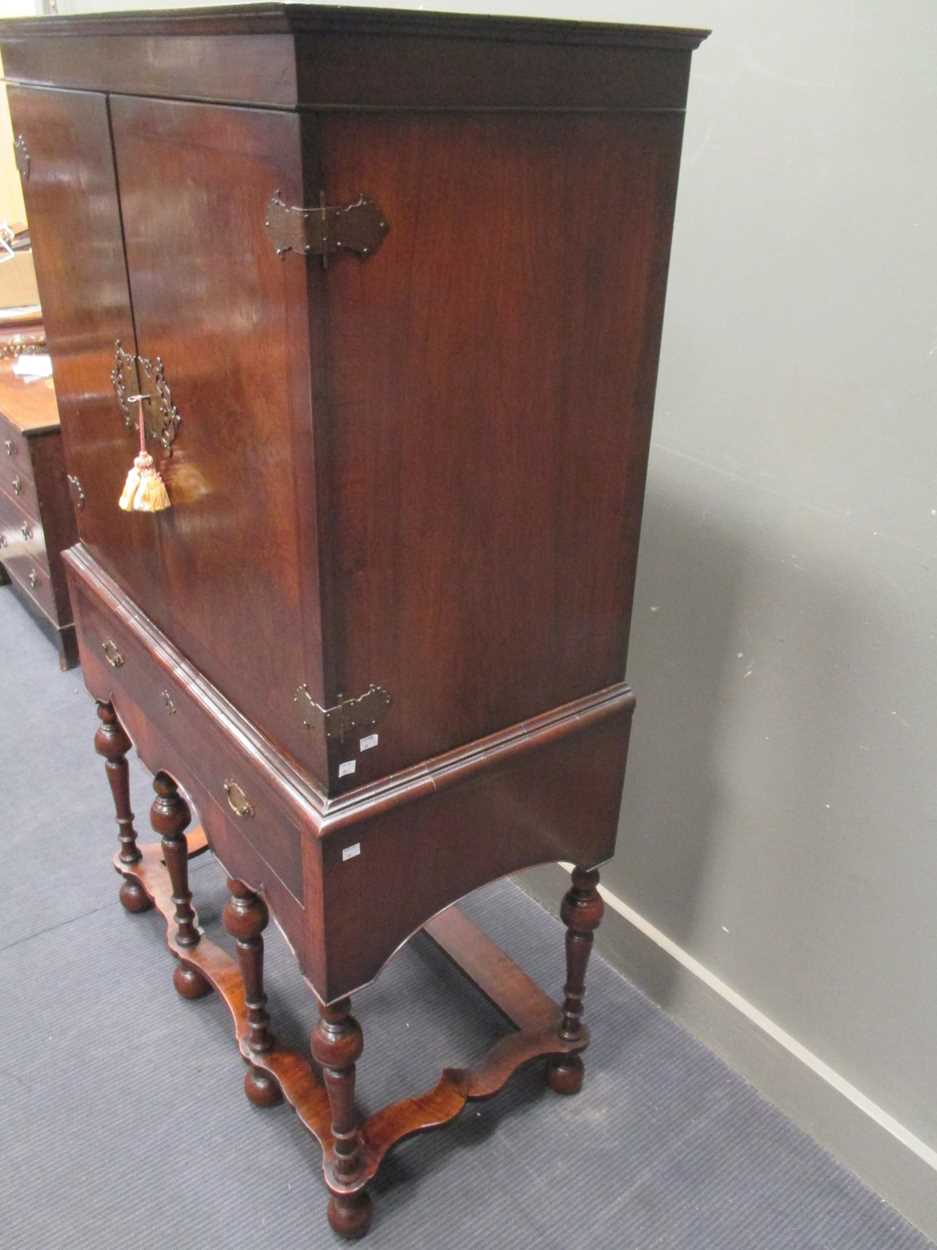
pixel 124 1123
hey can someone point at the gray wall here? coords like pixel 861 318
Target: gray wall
pixel 781 808
pixel 780 814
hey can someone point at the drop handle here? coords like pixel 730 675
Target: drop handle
pixel 238 801
pixel 33 579
pixel 17 484
pixel 112 653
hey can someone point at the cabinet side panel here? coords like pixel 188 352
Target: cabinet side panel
pixel 229 319
pixel 491 373
pixel 384 878
pixel 74 218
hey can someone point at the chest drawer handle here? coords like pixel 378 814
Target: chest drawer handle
pixel 9 446
pixel 33 579
pixel 111 653
pixel 238 801
pixel 17 485
pixel 168 701
pixel 27 531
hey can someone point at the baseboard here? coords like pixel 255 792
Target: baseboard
pixel 860 1134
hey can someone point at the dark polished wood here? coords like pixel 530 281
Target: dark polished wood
pixel 111 741
pixel 37 517
pixel 413 474
pixel 366 1143
pixel 169 816
pixel 337 1043
pixel 582 914
pixel 245 918
pixel 357 58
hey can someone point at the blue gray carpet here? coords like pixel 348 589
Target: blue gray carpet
pixel 123 1121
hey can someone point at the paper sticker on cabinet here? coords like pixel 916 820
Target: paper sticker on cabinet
pixel 349 852
pixel 347 767
pixel 367 743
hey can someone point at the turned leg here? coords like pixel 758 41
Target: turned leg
pixel 581 913
pixel 336 1045
pixel 112 742
pixel 245 918
pixel 169 816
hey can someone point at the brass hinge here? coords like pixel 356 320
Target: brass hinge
pixel 359 227
pixel 22 157
pixel 347 715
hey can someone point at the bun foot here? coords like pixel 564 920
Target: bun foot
pixel 189 982
pixel 133 896
pixel 564 1074
pixel 350 1214
pixel 262 1089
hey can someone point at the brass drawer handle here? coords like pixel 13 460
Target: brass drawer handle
pixel 238 801
pixel 27 531
pixel 10 446
pixel 168 700
pixel 33 579
pixel 111 653
pixel 17 484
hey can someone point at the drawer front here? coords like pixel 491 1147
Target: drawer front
pixel 19 485
pixel 116 663
pixel 14 450
pixel 33 578
pixel 20 534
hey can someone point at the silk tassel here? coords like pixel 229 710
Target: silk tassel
pixel 144 490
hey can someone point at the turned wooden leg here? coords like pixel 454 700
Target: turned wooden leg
pixel 112 742
pixel 336 1045
pixel 581 913
pixel 245 918
pixel 169 816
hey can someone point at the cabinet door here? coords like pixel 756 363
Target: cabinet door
pixel 74 217
pixel 228 318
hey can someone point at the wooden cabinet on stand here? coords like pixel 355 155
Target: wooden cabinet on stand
pixel 381 294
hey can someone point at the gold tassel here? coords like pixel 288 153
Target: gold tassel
pixel 144 490
pixel 130 488
pixel 151 494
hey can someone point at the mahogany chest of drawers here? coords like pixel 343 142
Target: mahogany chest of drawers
pixel 37 520
pixel 385 291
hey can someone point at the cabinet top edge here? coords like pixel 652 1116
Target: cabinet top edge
pixel 264 19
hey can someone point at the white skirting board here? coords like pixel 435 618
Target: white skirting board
pixel 862 1135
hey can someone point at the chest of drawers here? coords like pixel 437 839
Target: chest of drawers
pixel 37 506
pixel 390 286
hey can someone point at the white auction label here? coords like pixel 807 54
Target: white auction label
pixel 347 767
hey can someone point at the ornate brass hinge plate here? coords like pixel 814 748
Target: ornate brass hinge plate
pixel 78 491
pixel 162 419
pixel 21 156
pixel 347 715
pixel 324 231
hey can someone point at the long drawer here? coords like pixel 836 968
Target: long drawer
pixel 21 534
pixel 119 667
pixel 29 574
pixel 14 450
pixel 20 486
